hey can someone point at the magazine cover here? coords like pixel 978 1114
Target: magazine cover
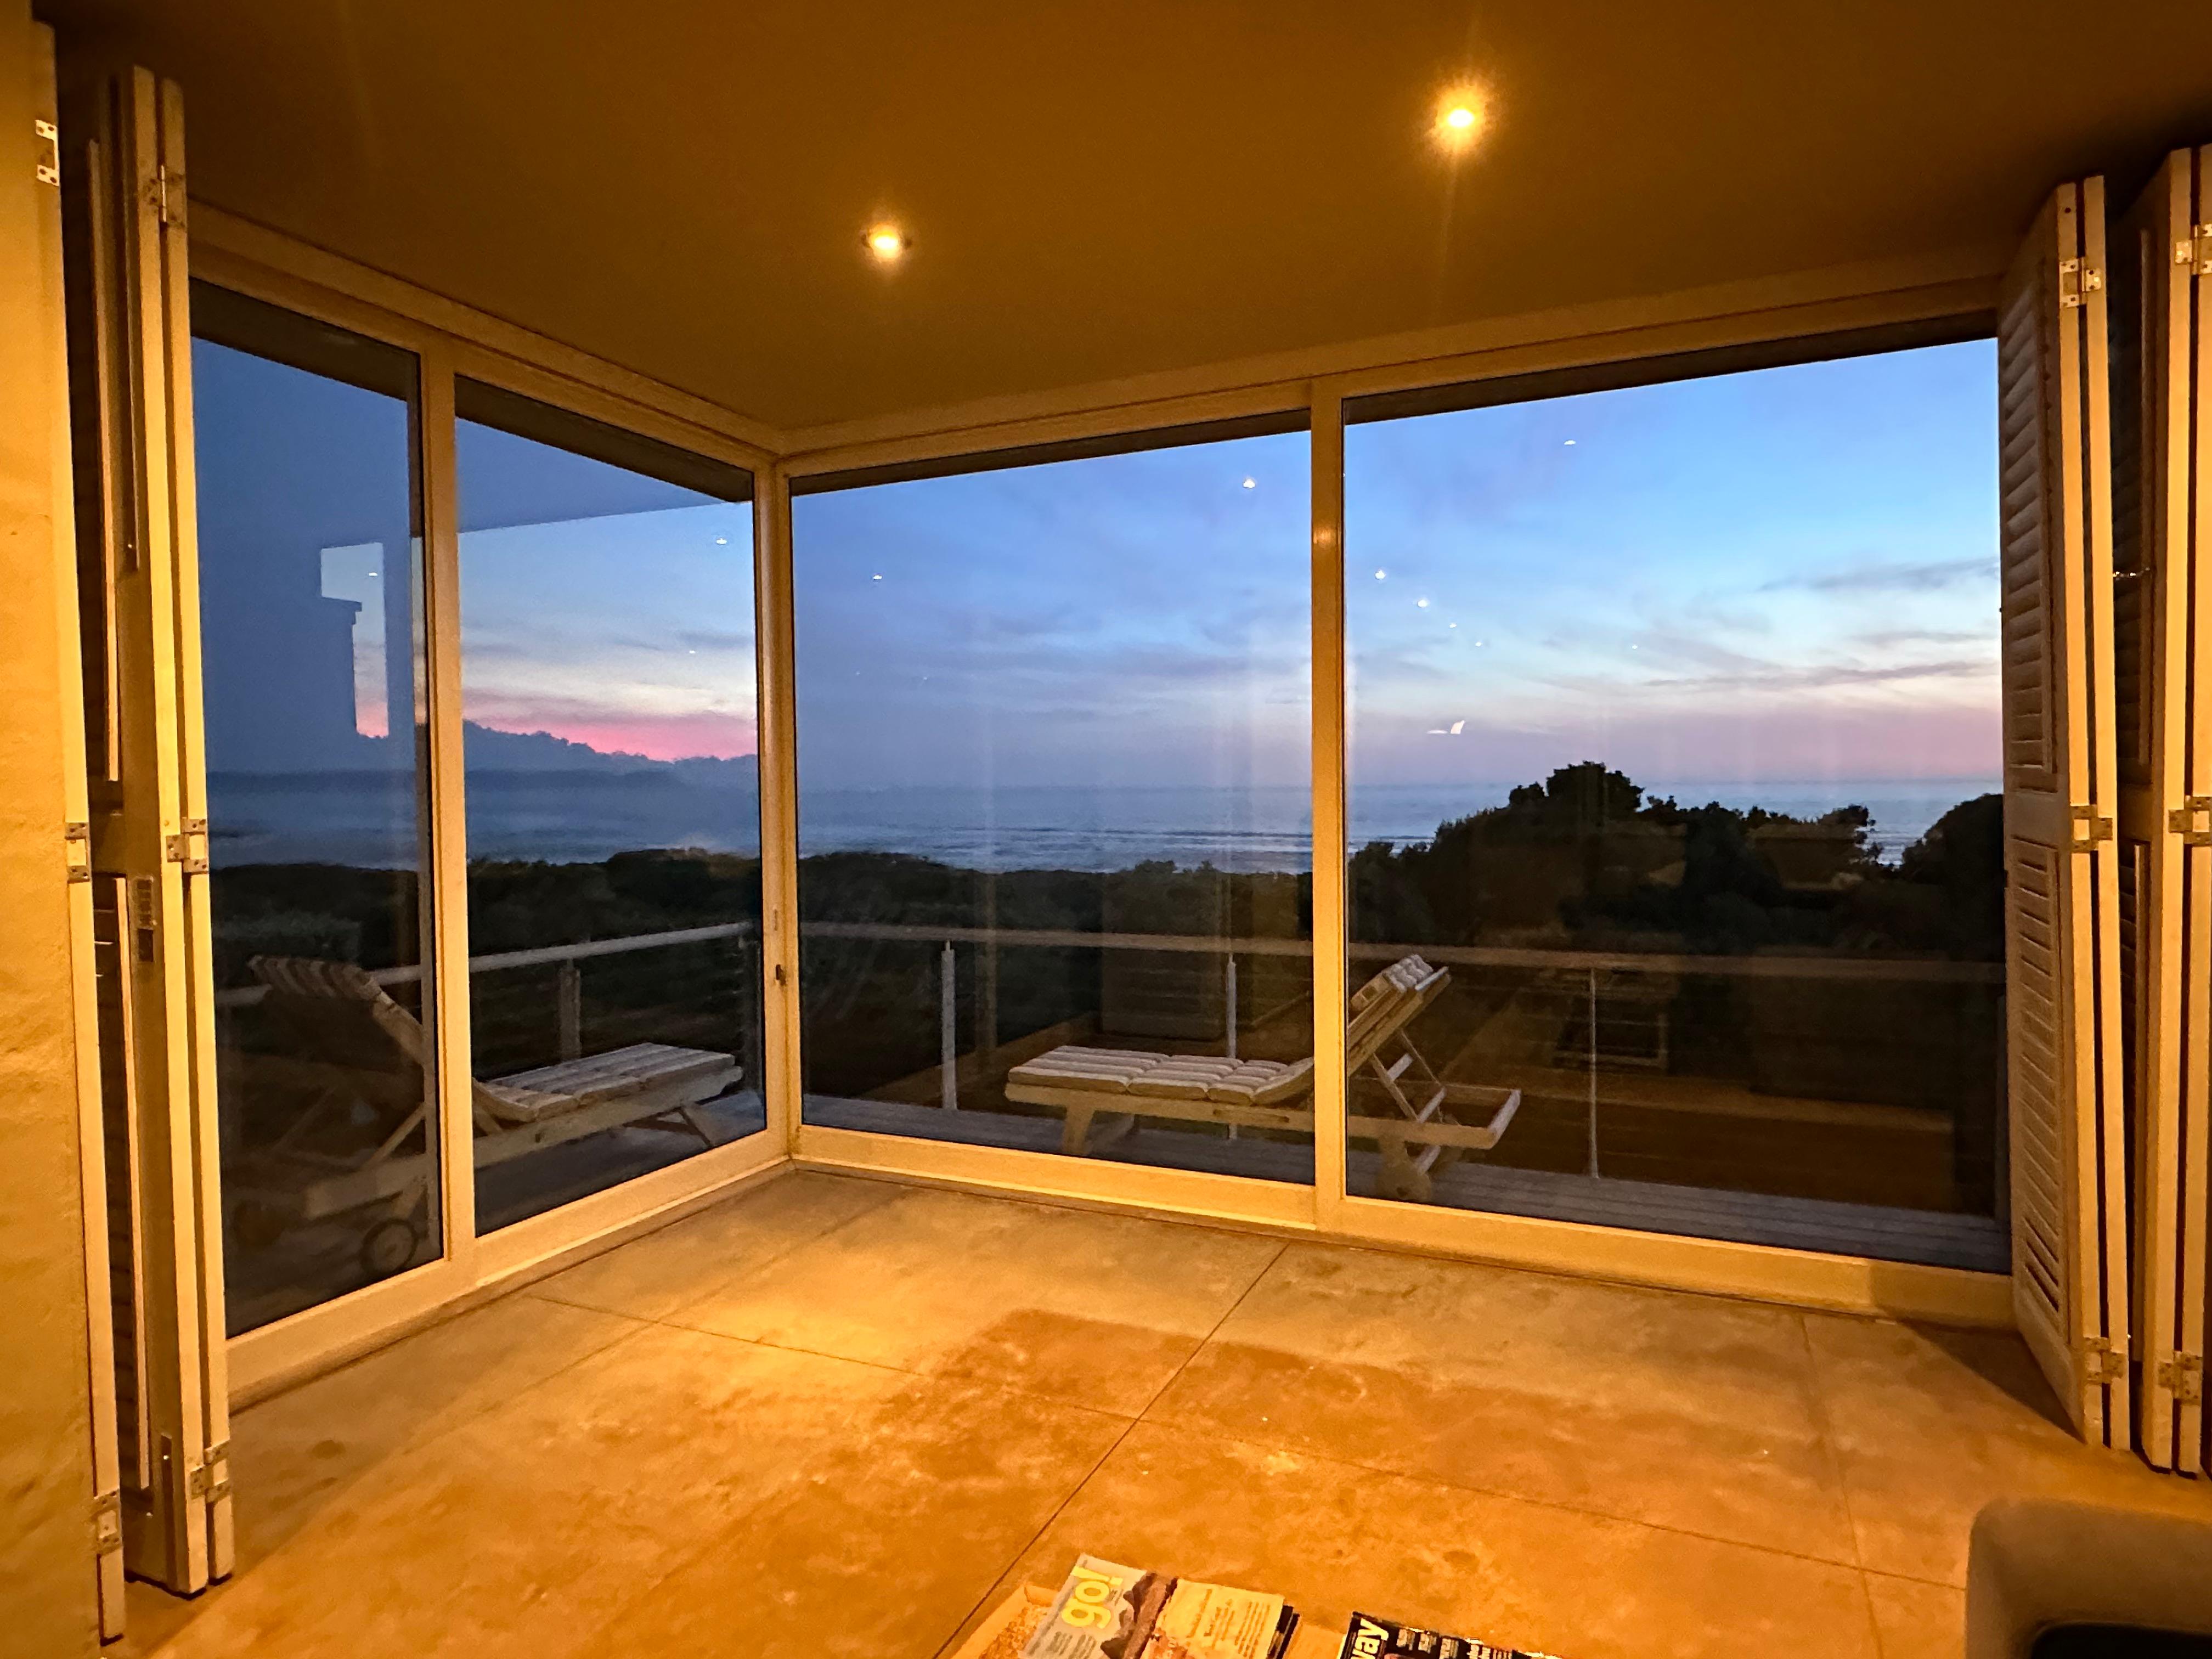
pixel 1369 1637
pixel 1213 1621
pixel 1103 1611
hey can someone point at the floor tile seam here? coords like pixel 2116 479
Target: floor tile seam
pixel 1838 1464
pixel 1197 1431
pixel 1207 1342
pixel 1874 1644
pixel 1091 1473
pixel 905 1370
pixel 1059 1509
pixel 538 1290
pixel 1913 1578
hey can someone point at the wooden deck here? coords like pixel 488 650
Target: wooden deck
pixel 1975 1242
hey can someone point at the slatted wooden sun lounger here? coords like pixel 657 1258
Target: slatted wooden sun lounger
pixel 358 1030
pixel 1104 1091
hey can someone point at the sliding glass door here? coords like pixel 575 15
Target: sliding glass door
pixel 1053 806
pixel 1675 881
pixel 311 607
pixel 609 675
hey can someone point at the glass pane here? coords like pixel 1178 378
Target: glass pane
pixel 310 613
pixel 1675 798
pixel 1054 821
pixel 608 687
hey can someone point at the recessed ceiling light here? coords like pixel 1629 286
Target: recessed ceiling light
pixel 886 243
pixel 1251 484
pixel 1460 119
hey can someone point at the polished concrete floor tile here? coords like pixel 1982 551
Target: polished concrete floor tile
pixel 1093 1309
pixel 292 1455
pixel 524 1531
pixel 890 1541
pixel 1681 1410
pixel 1930 1425
pixel 654 1275
pixel 1332 1537
pixel 1917 1620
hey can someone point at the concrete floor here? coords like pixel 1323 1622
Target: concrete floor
pixel 841 1417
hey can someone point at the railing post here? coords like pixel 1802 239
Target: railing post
pixel 569 1000
pixel 1229 1000
pixel 948 1037
pixel 1593 1074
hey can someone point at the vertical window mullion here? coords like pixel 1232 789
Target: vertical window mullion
pixel 1330 1089
pixel 449 909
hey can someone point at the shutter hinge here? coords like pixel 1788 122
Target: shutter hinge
pixel 49 163
pixel 2195 253
pixel 2183 1375
pixel 2192 820
pixel 107 1523
pixel 76 846
pixel 181 849
pixel 210 1479
pixel 2089 829
pixel 169 192
pixel 2078 280
pixel 2103 1360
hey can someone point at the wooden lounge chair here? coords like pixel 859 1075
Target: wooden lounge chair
pixel 1123 1085
pixel 358 1033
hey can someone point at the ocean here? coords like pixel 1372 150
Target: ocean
pixel 368 819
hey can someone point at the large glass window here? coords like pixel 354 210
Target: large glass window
pixel 1054 764
pixel 1676 882
pixel 609 690
pixel 310 609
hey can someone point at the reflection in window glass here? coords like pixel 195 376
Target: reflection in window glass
pixel 1054 820
pixel 608 681
pixel 310 597
pixel 1676 894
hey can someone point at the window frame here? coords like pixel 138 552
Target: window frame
pixel 1773 320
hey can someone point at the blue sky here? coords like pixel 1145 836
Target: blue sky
pixel 1784 576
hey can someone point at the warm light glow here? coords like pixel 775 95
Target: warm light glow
pixel 1460 119
pixel 886 242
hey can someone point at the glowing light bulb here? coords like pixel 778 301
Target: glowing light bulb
pixel 1460 119
pixel 1251 484
pixel 886 242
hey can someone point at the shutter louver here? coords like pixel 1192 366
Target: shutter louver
pixel 2068 1200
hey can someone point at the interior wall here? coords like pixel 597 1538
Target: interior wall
pixel 46 1585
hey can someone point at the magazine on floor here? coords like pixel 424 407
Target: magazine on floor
pixel 1369 1637
pixel 1108 1611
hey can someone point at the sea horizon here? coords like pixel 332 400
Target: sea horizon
pixel 366 819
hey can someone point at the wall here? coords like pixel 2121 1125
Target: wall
pixel 46 1607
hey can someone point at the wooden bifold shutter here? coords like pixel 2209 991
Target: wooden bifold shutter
pixel 130 349
pixel 2162 260
pixel 2063 1013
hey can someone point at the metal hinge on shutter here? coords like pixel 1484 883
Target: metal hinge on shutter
pixel 48 165
pixel 168 191
pixel 2078 280
pixel 2195 252
pixel 2090 829
pixel 189 848
pixel 2192 820
pixel 2183 1375
pixel 2103 1360
pixel 107 1523
pixel 77 847
pixel 210 1479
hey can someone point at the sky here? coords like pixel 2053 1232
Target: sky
pixel 1783 575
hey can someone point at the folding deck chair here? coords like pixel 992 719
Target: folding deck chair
pixel 356 1029
pixel 1127 1084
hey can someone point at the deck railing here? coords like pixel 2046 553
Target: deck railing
pixel 1590 963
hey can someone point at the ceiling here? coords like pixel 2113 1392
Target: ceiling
pixel 1110 187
